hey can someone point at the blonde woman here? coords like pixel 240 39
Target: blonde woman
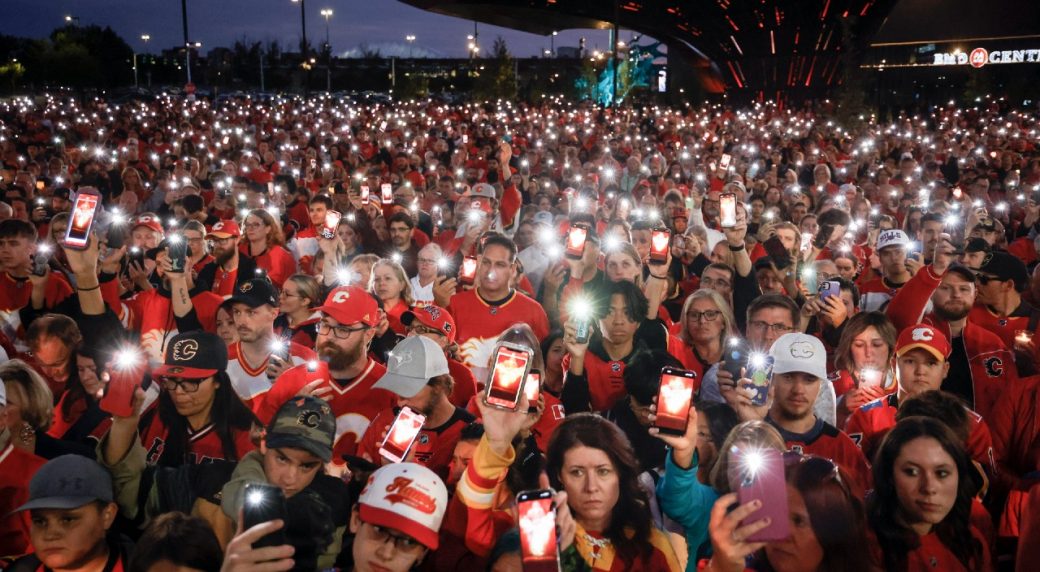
pixel 705 324
pixel 390 284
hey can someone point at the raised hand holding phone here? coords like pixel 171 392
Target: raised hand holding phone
pixel 243 554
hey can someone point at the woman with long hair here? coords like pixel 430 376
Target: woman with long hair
pixel 683 496
pixel 921 506
pixel 265 244
pixel 198 417
pixel 827 524
pixel 590 459
pixel 863 362
pixel 298 319
pixel 553 350
pixel 391 285
pixel 77 416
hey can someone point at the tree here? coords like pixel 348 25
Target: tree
pixel 496 76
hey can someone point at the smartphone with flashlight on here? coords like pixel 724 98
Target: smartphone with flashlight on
pixel 387 193
pixel 40 260
pixel 364 193
pixel 533 389
pixel 660 241
pixel 137 256
pixel 124 375
pixel 332 218
pixel 468 271
pixel 757 377
pixel 536 519
pixel 264 503
pixel 177 249
pixel 728 210
pixel 809 281
pixel 758 475
pixel 673 400
pixel 576 238
pixel 735 357
pixel 84 213
pixel 402 434
pixel 869 377
pixel 505 380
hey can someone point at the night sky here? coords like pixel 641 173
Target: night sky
pixel 222 22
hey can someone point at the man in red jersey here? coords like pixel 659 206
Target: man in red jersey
pixel 921 364
pixel 228 267
pixel 418 376
pixel 799 369
pixel 1001 279
pixel 17 289
pixel 346 329
pixel 489 309
pixel 981 366
pixel 305 244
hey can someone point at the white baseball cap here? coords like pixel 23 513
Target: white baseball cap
pixel 411 365
pixel 892 237
pixel 798 352
pixel 408 498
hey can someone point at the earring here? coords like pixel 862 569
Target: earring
pixel 26 433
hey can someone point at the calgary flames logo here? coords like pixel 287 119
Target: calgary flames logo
pixel 675 394
pixel 660 242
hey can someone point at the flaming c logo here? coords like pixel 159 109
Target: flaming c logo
pixel 184 350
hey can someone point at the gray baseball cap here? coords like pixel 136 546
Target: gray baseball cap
pixel 68 481
pixel 411 365
pixel 799 353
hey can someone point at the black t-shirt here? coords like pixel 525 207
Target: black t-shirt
pixel 958 380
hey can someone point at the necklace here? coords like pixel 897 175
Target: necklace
pixel 595 544
pixel 26 434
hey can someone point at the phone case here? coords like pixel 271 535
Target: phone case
pixel 264 503
pixel 536 520
pixel 674 397
pixel 533 389
pixel 762 481
pixel 84 215
pixel 576 239
pixel 401 436
pixel 119 393
pixel 511 365
pixel 468 272
pixel 759 377
pixel 829 289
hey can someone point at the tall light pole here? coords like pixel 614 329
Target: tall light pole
pixel 71 20
pixel 552 44
pixel 144 38
pixel 327 13
pixel 303 43
pixel 187 48
pixel 410 38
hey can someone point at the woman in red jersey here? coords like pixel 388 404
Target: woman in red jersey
pixel 265 244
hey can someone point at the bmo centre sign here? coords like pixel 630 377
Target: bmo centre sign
pixel 981 56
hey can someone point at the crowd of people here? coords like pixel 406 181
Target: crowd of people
pixel 208 376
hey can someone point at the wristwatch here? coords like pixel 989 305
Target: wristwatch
pixel 736 248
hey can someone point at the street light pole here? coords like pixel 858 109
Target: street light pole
pixel 327 13
pixel 303 44
pixel 187 48
pixel 552 44
pixel 410 38
pixel 144 38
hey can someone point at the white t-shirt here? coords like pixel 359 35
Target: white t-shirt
pixel 422 294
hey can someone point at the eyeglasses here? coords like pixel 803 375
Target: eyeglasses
pixel 339 332
pixel 707 315
pixel 984 279
pixel 187 385
pixel 714 283
pixel 776 328
pixel 427 261
pixel 401 542
pixel 254 225
pixel 426 330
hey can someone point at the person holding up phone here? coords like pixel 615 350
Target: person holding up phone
pixel 18 243
pixel 418 375
pixel 826 519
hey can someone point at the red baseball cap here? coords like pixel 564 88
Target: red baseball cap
pixel 224 229
pixel 351 305
pixel 432 317
pixel 149 221
pixel 925 337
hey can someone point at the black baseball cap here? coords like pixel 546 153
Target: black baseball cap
pixel 256 292
pixel 1005 267
pixel 977 245
pixel 962 271
pixel 304 422
pixel 195 354
pixel 67 482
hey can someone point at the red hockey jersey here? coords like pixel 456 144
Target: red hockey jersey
pixel 203 445
pixel 17 468
pixel 479 324
pixel 16 293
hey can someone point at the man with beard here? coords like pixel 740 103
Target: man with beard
pixel 418 376
pixel 345 375
pixel 981 366
pixel 222 275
